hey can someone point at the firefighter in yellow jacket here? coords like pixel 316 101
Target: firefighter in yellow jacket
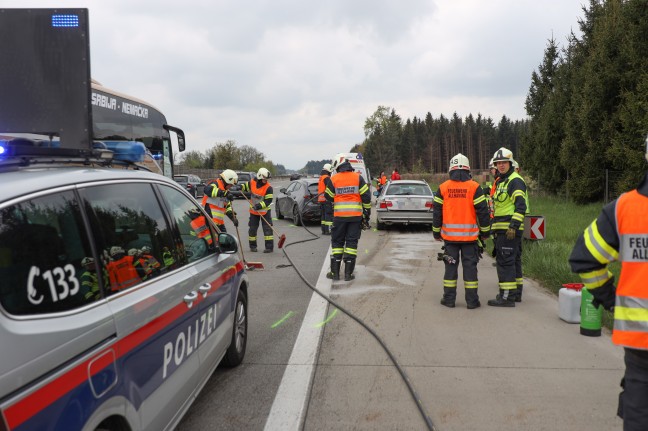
pixel 217 199
pixel 460 218
pixel 351 199
pixel 507 227
pixel 621 233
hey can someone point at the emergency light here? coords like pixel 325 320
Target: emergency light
pixel 127 151
pixel 65 20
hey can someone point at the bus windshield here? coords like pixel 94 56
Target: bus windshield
pixel 118 117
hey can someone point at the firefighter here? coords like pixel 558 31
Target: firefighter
pixel 519 278
pixel 351 199
pixel 89 280
pixel 325 206
pixel 382 180
pixel 507 227
pixel 217 199
pixel 122 270
pixel 260 201
pixel 621 233
pixel 152 266
pixel 460 219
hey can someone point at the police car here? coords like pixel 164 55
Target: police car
pixel 118 299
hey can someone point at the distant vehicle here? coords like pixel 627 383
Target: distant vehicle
pixel 192 183
pixel 358 164
pixel 404 202
pixel 243 177
pixel 294 177
pixel 298 201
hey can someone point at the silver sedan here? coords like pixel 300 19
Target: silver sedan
pixel 404 202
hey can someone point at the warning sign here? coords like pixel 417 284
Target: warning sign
pixel 534 227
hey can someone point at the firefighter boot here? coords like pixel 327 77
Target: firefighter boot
pixel 334 273
pixel 472 299
pixel 517 297
pixel 449 296
pixel 503 299
pixel 349 265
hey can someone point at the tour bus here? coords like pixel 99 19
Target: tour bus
pixel 118 118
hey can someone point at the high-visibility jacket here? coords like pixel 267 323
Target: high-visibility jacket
pixel 631 305
pixel 201 229
pixel 347 201
pixel 509 210
pixel 122 273
pixel 382 180
pixel 259 194
pixel 217 204
pixel 459 215
pixel 321 187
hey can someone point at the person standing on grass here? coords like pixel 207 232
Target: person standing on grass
pixel 621 233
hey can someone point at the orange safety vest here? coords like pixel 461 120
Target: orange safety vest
pixel 347 201
pixel 122 273
pixel 491 204
pixel 383 180
pixel 257 194
pixel 459 215
pixel 217 205
pixel 201 229
pixel 321 186
pixel 631 305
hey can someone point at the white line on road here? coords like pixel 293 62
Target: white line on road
pixel 289 406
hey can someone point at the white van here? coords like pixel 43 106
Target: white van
pixel 358 164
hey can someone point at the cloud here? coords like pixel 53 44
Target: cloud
pixel 297 79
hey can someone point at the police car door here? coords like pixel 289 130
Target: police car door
pixel 57 334
pixel 216 277
pixel 155 309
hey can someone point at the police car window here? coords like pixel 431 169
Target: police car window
pixel 132 235
pixel 44 257
pixel 195 231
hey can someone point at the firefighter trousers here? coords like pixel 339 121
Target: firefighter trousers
pixel 466 253
pixel 326 216
pixel 344 238
pixel 253 225
pixel 507 251
pixel 633 400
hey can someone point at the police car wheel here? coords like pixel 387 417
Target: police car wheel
pixel 236 350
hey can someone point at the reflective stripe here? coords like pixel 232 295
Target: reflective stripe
pixel 508 285
pixel 450 283
pixel 633 248
pixel 451 233
pixel 460 226
pixel 470 284
pixel 351 251
pixel 269 238
pixel 339 250
pixel 347 190
pixel 630 302
pixel 596 278
pixel 597 246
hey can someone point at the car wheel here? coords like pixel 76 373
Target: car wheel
pixel 279 215
pixel 296 217
pixel 236 351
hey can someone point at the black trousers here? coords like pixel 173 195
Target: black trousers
pixel 507 251
pixel 518 261
pixel 466 253
pixel 633 400
pixel 345 237
pixel 253 225
pixel 326 214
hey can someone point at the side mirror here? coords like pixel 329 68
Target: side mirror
pixel 227 243
pixel 283 190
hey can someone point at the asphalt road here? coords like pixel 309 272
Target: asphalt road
pixel 310 366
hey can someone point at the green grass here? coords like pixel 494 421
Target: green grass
pixel 547 260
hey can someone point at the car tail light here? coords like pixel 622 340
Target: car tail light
pixel 428 204
pixel 386 204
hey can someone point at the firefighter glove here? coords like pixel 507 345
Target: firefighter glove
pixel 510 234
pixel 229 196
pixel 258 207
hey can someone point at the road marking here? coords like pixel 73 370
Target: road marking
pixel 289 406
pixel 283 319
pixel 328 319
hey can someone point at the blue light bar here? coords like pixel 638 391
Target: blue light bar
pixel 65 20
pixel 2 147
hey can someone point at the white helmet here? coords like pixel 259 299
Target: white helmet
pixel 491 164
pixel 327 167
pixel 115 250
pixel 263 174
pixel 146 249
pixel 229 176
pixel 515 165
pixel 459 162
pixel 338 160
pixel 87 261
pixel 503 155
pixel 134 252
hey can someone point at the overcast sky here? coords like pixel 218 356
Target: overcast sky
pixel 296 79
